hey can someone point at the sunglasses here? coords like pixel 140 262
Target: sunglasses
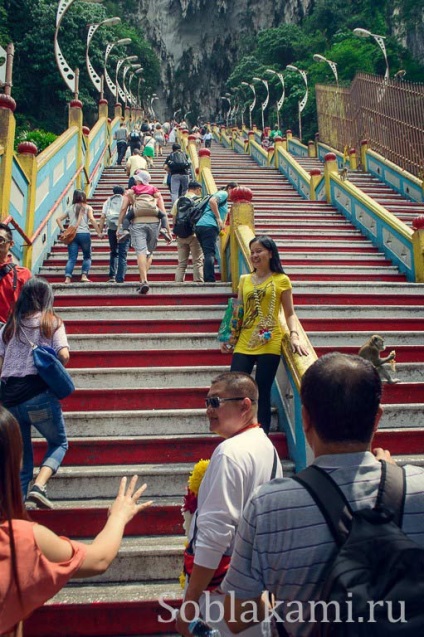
pixel 215 401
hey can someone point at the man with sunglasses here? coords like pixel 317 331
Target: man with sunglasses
pixel 12 276
pixel 242 462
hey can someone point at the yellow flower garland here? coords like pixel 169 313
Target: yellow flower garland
pixel 196 476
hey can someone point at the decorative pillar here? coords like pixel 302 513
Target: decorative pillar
pixel 7 140
pixel 289 134
pixel 270 152
pixel 353 162
pixel 242 214
pixel 184 137
pixel 27 152
pixel 127 114
pixel 316 144
pixel 251 137
pixel 312 151
pixel 330 165
pixel 418 247
pixel 103 108
pixel 278 143
pixel 315 174
pixel 364 148
pixel 75 119
pixel 86 133
pixel 204 159
pixel 118 110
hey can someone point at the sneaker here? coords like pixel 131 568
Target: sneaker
pixel 121 236
pixel 39 496
pixel 112 280
pixel 166 234
pixel 144 288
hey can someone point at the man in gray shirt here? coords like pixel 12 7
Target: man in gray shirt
pixel 121 142
pixel 284 544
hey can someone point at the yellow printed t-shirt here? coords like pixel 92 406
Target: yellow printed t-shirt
pixel 251 317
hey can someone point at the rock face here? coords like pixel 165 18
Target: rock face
pixel 198 42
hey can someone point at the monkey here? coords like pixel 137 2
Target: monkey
pixel 343 174
pixel 371 352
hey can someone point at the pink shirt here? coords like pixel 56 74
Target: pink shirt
pixel 39 578
pixel 141 189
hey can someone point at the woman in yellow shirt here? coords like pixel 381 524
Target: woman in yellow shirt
pixel 262 293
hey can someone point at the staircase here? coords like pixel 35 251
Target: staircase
pixel 399 206
pixel 142 366
pixel 344 290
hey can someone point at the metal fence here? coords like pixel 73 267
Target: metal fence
pixel 389 114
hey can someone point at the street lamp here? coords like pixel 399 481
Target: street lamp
pixel 227 99
pixel 138 69
pixel 331 64
pixel 111 85
pixel 280 102
pixel 364 33
pixel 252 105
pixel 70 78
pixel 96 80
pixel 119 90
pixel 176 113
pixel 265 102
pixel 302 103
pixel 153 98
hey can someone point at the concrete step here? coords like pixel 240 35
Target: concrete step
pixel 196 312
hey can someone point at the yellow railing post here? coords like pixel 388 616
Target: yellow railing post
pixel 27 152
pixel 312 151
pixel 86 133
pixel 278 143
pixel 418 247
pixel 7 140
pixel 353 161
pixel 251 138
pixel 364 148
pixel 242 214
pixel 75 119
pixel 118 110
pixel 330 166
pixel 315 174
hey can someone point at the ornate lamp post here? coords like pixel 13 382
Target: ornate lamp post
pixel 119 90
pixel 280 102
pixel 331 64
pixel 364 33
pixel 69 76
pixel 227 99
pixel 302 103
pixel 176 113
pixel 92 28
pixel 265 102
pixel 252 105
pixel 152 99
pixel 111 85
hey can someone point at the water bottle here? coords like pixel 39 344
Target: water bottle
pixel 199 628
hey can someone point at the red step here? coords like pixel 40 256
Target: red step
pixel 373 325
pixel 328 298
pixel 148 358
pixel 142 451
pixel 191 297
pixel 140 326
pixel 83 522
pixel 100 618
pixel 402 393
pixel 123 399
pixel 103 278
pixel 400 441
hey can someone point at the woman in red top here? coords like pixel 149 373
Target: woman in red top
pixel 35 563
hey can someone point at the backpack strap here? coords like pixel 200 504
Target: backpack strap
pixel 392 490
pixel 274 465
pixel 6 269
pixel 330 500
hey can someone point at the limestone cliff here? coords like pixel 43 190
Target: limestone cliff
pixel 198 42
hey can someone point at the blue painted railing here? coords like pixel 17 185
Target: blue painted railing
pixel 18 205
pixel 402 182
pixel 296 148
pixel 296 175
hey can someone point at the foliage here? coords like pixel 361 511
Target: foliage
pixel 39 137
pixel 328 30
pixel 39 90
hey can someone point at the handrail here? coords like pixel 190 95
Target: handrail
pixel 52 149
pixel 54 208
pixel 17 227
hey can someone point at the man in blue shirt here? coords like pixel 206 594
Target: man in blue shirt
pixel 208 228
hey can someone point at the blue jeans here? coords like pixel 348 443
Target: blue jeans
pixel 45 414
pixel 82 240
pixel 118 253
pixel 207 236
pixel 179 185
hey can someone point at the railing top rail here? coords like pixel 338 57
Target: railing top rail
pixel 18 228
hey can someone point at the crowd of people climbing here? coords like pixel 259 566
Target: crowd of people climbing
pixel 282 543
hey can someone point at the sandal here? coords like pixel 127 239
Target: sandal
pixel 85 280
pixel 67 280
pixel 144 288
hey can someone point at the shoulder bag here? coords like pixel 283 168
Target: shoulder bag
pixel 51 369
pixel 68 235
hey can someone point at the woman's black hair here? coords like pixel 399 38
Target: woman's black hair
pixel 36 296
pixel 269 244
pixel 79 197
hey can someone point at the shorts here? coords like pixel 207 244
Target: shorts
pixel 149 152
pixel 144 237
